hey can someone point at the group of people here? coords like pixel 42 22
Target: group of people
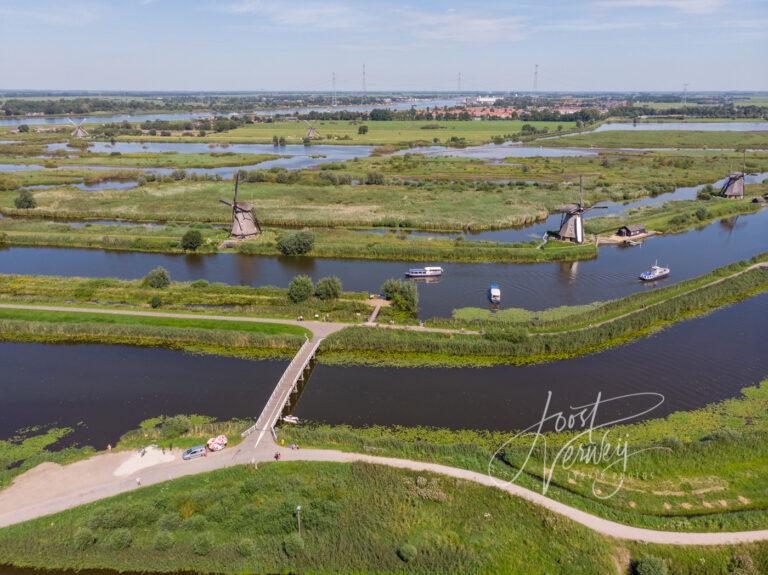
pixel 293 446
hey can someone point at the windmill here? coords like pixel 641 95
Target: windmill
pixel 79 131
pixel 572 222
pixel 312 133
pixel 244 223
pixel 733 187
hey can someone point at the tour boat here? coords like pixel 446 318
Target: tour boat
pixel 494 294
pixel 656 272
pixel 427 272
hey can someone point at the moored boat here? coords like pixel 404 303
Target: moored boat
pixel 494 293
pixel 425 272
pixel 656 272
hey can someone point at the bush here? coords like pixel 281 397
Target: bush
pixel 25 201
pixel 169 521
pixel 300 289
pixel 362 130
pixel 191 240
pixel 245 547
pixel 293 545
pixel 706 192
pixel 650 565
pixel 374 178
pixel 176 426
pixel 83 539
pixel 23 128
pixel 328 288
pixel 202 543
pixel 403 295
pixel 198 284
pixel 155 302
pixel 158 278
pixel 163 541
pixel 3 238
pixel 742 564
pixel 296 244
pixel 120 539
pixel 702 214
pixel 407 552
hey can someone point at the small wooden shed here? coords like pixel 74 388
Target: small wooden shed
pixel 631 230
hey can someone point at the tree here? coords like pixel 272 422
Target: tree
pixel 296 244
pixel 23 128
pixel 191 240
pixel 650 565
pixel 403 295
pixel 158 278
pixel 328 288
pixel 25 200
pixel 300 289
pixel 362 130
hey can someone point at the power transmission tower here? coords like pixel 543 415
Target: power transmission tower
pixel 458 83
pixel 685 94
pixel 333 86
pixel 535 79
pixel 365 89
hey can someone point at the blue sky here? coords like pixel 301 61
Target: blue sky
pixel 297 44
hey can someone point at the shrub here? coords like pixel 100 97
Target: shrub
pixel 191 240
pixel 650 565
pixel 3 238
pixel 23 128
pixel 120 539
pixel 742 564
pixel 202 543
pixel 328 288
pixel 25 200
pixel 83 538
pixel 198 284
pixel 158 278
pixel 176 426
pixel 293 545
pixel 407 552
pixel 706 192
pixel 374 178
pixel 702 214
pixel 402 293
pixel 169 521
pixel 245 547
pixel 362 130
pixel 163 541
pixel 155 302
pixel 178 175
pixel 300 289
pixel 296 244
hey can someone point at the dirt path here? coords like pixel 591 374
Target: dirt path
pixel 50 488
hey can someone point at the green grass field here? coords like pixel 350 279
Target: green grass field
pixel 663 139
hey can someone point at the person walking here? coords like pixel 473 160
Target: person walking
pixel 138 482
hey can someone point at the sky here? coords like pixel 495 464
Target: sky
pixel 579 45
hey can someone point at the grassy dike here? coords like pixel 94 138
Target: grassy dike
pixel 671 486
pixel 337 243
pixel 574 332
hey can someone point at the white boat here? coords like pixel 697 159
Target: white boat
pixel 426 272
pixel 656 272
pixel 290 419
pixel 494 294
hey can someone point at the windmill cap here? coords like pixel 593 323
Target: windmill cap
pixel 244 206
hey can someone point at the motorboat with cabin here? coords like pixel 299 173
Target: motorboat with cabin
pixel 494 293
pixel 656 272
pixel 425 272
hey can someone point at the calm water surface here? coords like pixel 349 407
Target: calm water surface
pixel 693 363
pixel 686 126
pixel 102 391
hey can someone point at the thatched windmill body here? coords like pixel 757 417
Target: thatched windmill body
pixel 312 133
pixel 244 223
pixel 79 131
pixel 733 187
pixel 572 222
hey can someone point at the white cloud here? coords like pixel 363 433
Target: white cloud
pixel 687 6
pixel 463 26
pixel 323 15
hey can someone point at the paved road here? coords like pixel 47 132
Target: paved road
pixel 51 488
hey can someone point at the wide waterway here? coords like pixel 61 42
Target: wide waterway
pixel 691 364
pixel 102 391
pixel 685 127
pixel 535 286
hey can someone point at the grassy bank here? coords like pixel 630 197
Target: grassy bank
pixel 674 488
pixel 145 160
pixel 663 139
pixel 577 332
pixel 329 243
pixel 199 296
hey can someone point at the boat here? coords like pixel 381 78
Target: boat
pixel 632 243
pixel 494 293
pixel 426 272
pixel 656 272
pixel 290 419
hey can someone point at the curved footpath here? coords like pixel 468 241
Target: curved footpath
pixel 50 488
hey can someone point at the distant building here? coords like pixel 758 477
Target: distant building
pixel 487 100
